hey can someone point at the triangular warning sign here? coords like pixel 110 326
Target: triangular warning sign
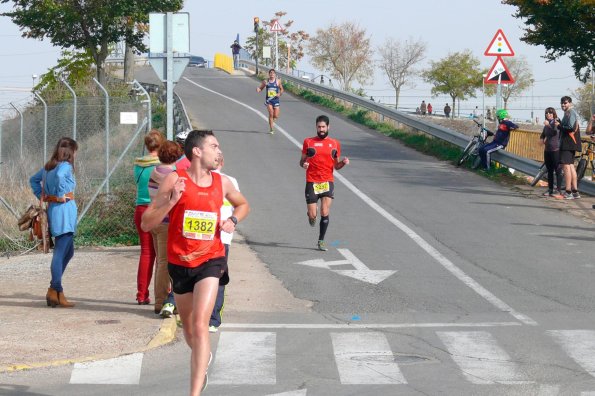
pixel 276 27
pixel 499 72
pixel 499 46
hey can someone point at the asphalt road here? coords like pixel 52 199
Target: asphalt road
pixel 491 292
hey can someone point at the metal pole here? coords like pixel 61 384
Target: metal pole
pixel 256 57
pixel 106 133
pixel 148 102
pixel 170 77
pixel 532 96
pixel 20 114
pixel 45 127
pixel 74 112
pixel 483 101
pixel 1 121
pixel 276 51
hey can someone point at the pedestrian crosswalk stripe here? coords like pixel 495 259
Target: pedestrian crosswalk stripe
pixel 579 345
pixel 481 359
pixel 365 358
pixel 245 358
pixel 123 370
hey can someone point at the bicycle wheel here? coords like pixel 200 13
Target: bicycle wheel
pixel 581 167
pixel 470 147
pixel 540 173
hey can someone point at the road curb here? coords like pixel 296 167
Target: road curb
pixel 165 335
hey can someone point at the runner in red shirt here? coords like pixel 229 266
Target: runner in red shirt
pixel 320 157
pixel 195 253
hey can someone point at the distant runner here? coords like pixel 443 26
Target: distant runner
pixel 273 90
pixel 320 157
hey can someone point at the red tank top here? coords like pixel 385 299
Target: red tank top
pixel 193 234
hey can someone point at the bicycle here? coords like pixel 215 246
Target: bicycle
pixel 587 157
pixel 542 175
pixel 472 148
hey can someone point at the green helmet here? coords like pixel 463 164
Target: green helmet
pixel 501 114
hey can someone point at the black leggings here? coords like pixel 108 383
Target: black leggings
pixel 552 163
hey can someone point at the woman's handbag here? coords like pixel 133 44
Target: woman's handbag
pixel 35 219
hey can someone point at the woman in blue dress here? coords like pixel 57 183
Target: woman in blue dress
pixel 57 177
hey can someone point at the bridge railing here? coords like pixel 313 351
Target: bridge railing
pixel 525 165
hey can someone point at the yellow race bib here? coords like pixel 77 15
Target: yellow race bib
pixel 199 225
pixel 320 188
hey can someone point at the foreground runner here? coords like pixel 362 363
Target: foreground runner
pixel 273 90
pixel 320 157
pixel 195 253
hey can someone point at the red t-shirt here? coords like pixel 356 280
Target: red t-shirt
pixel 321 154
pixel 193 234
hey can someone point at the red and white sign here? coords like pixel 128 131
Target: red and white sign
pixel 276 27
pixel 499 73
pixel 499 46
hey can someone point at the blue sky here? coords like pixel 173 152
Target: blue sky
pixel 446 27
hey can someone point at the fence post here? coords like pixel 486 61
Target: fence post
pixel 45 126
pixel 21 115
pixel 74 113
pixel 106 133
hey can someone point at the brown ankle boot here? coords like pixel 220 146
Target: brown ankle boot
pixel 52 298
pixel 63 301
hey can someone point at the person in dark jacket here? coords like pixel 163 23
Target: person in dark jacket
pixel 500 138
pixel 570 144
pixel 550 138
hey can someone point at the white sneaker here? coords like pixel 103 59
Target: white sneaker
pixel 213 329
pixel 167 310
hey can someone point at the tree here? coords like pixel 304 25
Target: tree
pixel 585 100
pixel 523 78
pixel 344 51
pixel 398 59
pixel 457 75
pixel 87 25
pixel 563 27
pixel 295 41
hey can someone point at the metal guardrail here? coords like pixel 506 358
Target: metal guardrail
pixel 181 119
pixel 524 165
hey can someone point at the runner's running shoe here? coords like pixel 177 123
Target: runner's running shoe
pixel 322 246
pixel 213 329
pixel 167 310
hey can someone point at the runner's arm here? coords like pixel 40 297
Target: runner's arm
pixel 262 85
pixel 168 194
pixel 281 89
pixel 304 161
pixel 342 163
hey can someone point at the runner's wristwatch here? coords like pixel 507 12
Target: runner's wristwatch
pixel 234 220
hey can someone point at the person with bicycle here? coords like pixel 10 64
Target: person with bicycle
pixel 500 138
pixel 550 138
pixel 570 143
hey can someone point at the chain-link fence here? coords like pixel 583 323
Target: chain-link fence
pixel 105 192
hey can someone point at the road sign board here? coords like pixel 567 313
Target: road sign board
pixel 499 73
pixel 160 67
pixel 180 32
pixel 276 27
pixel 499 46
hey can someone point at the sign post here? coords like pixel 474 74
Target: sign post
pixel 169 35
pixel 276 27
pixel 499 73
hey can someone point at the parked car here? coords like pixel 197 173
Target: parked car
pixel 197 61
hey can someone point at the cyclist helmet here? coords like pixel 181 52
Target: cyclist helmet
pixel 181 137
pixel 501 114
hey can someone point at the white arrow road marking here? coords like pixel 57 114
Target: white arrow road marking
pixel 300 392
pixel 579 344
pixel 361 272
pixel 415 237
pixel 123 370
